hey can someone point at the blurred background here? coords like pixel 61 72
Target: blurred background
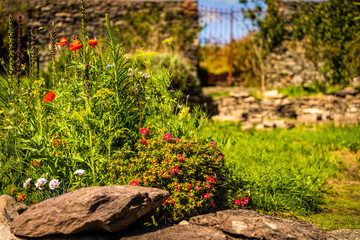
pixel 269 44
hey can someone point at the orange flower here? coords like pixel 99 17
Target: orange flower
pixel 75 45
pixel 49 96
pixel 63 41
pixel 93 42
pixel 21 197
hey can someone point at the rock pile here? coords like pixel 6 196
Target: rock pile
pixel 104 213
pixel 341 107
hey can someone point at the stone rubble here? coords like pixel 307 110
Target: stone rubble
pixel 270 112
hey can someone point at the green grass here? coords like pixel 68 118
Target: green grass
pixel 219 94
pixel 285 170
pixel 342 209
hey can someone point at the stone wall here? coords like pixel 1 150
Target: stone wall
pixel 272 110
pixel 287 65
pixel 66 15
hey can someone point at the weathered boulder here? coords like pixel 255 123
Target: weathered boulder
pixel 346 234
pixel 178 232
pixel 9 209
pixel 109 208
pixel 248 224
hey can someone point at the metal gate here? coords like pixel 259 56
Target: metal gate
pixel 221 27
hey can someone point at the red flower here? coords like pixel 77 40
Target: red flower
pixel 144 142
pixel 134 183
pixel 244 201
pixel 167 136
pixel 63 41
pixel 181 158
pixel 75 45
pixel 93 42
pixel 237 201
pixel 49 96
pixel 144 131
pixel 36 163
pixel 210 179
pixel 206 195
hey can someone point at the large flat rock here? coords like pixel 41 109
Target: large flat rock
pixel 109 208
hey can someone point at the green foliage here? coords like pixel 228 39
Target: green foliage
pixel 193 172
pixel 94 107
pixel 300 91
pixel 285 170
pixel 333 32
pixel 183 77
pixel 140 26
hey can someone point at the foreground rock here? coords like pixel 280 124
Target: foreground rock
pixel 109 208
pixel 9 209
pixel 178 232
pixel 247 224
pixel 346 234
pixel 231 224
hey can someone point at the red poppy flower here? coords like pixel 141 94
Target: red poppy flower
pixel 75 45
pixel 49 96
pixel 63 41
pixel 93 42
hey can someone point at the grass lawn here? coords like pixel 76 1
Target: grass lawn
pixel 299 173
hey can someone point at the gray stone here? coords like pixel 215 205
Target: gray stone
pixel 268 123
pixel 248 224
pixel 346 234
pixel 259 127
pixel 178 232
pixel 246 127
pixel 109 208
pixel 239 94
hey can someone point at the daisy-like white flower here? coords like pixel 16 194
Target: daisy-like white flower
pixel 54 184
pixel 27 182
pixel 79 172
pixel 40 183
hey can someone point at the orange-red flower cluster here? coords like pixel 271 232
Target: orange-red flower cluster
pixel 75 45
pixel 93 42
pixel 36 163
pixel 63 41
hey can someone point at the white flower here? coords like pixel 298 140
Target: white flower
pixel 40 183
pixel 54 184
pixel 79 172
pixel 27 182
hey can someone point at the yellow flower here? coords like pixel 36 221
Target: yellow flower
pixel 1 111
pixel 184 112
pixel 168 40
pixel 13 189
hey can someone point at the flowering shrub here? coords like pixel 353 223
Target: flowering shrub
pixel 193 172
pixel 82 128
